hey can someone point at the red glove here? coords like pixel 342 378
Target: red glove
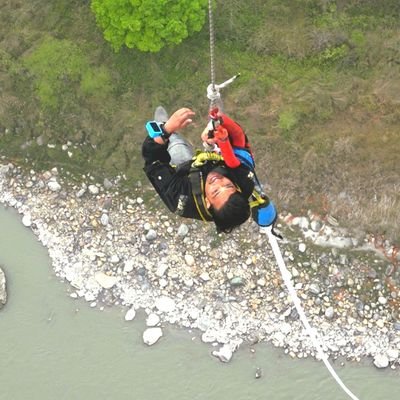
pixel 221 134
pixel 213 114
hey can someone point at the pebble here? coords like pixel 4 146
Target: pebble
pixel 224 353
pixel 237 281
pixel 183 230
pixel 315 289
pixel 161 270
pixel 104 219
pixel 27 220
pixel 302 247
pixel 152 335
pixel 105 281
pixel 130 315
pixel 54 186
pixel 329 313
pixel 151 235
pixel 165 304
pixel 204 276
pixel 381 361
pixel 189 260
pixel 152 320
pixel 382 300
pixel 128 266
pixel 93 189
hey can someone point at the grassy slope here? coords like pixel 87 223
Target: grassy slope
pixel 318 96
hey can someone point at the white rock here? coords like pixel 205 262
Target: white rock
pixel 46 175
pixel 381 361
pixel 329 313
pixel 54 186
pixel 224 353
pixel 165 304
pixel 316 225
pixel 151 335
pixel 26 220
pixel 183 230
pixel 302 247
pixel 393 354
pixel 80 192
pixel 382 300
pixel 93 189
pixel 205 276
pixel 128 266
pixel 114 259
pixel 152 320
pixel 130 315
pixel 104 219
pixel 105 281
pixel 188 282
pixel 189 259
pixel 209 336
pixel 161 270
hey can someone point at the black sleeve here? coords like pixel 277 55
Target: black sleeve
pixel 152 151
pixel 169 183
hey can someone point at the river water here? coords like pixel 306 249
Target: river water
pixel 54 347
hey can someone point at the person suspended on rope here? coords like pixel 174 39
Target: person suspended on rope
pixel 202 186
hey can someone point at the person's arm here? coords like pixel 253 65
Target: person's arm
pixel 155 149
pixel 222 139
pixel 235 131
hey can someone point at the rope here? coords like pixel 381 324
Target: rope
pixel 296 301
pixel 212 44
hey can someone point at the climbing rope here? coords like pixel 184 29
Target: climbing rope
pixel 296 301
pixel 212 45
pixel 213 89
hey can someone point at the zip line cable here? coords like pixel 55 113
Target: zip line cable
pixel 296 301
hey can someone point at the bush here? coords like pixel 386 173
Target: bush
pixel 148 25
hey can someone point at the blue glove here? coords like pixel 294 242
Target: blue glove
pixel 265 215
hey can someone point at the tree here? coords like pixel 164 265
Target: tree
pixel 148 25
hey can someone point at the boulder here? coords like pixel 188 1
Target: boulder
pixel 3 289
pixel 381 361
pixel 151 335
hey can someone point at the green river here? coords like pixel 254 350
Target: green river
pixel 54 347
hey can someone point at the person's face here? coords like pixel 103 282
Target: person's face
pixel 217 190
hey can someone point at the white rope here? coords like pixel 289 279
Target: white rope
pixel 212 44
pixel 296 301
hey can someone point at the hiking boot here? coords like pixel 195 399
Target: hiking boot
pixel 160 115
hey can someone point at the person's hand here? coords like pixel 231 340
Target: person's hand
pixel 205 137
pixel 221 134
pixel 179 120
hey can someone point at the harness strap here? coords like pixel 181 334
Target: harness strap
pixel 258 199
pixel 196 180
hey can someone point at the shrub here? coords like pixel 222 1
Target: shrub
pixel 148 25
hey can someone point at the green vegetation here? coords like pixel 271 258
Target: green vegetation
pixel 318 92
pixel 146 24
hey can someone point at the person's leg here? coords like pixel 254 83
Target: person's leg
pixel 179 148
pixel 160 114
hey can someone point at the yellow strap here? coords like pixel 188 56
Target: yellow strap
pixel 204 156
pixel 258 200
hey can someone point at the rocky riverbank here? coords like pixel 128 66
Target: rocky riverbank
pixel 114 249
